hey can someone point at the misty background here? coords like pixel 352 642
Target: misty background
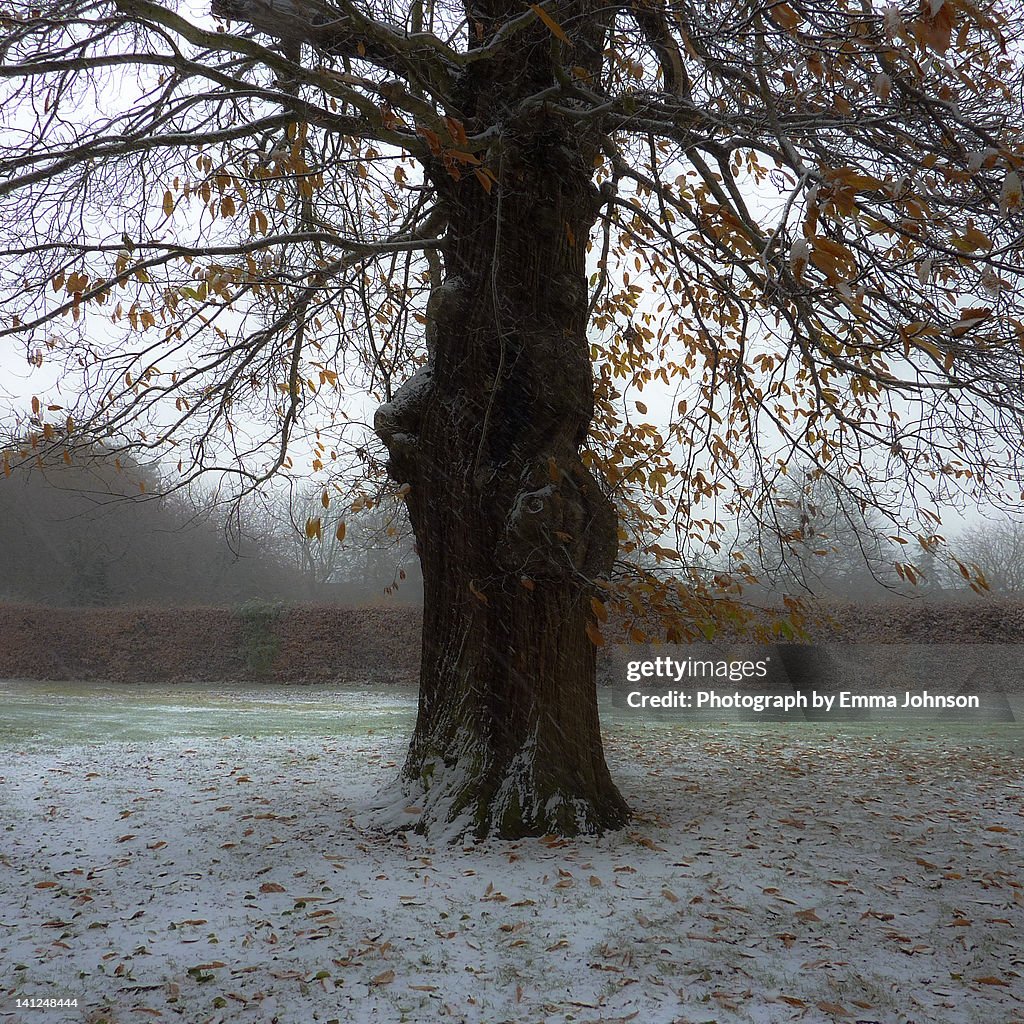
pixel 99 532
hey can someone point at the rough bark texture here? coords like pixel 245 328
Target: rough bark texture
pixel 511 527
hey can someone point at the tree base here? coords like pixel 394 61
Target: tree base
pixel 467 799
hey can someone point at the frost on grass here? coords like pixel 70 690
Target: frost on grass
pixel 771 875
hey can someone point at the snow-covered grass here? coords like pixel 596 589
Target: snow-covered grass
pixel 773 873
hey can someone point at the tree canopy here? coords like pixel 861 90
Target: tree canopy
pixel 809 229
pixel 641 255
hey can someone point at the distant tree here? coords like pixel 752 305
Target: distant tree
pixel 98 531
pixel 356 555
pixel 822 541
pixel 384 553
pixel 997 550
pixel 313 536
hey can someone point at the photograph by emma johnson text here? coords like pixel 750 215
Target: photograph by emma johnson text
pixel 830 681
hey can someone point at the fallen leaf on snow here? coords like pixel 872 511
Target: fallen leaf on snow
pixel 834 1008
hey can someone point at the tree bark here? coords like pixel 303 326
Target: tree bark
pixel 512 529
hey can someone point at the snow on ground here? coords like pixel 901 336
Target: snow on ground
pixel 771 875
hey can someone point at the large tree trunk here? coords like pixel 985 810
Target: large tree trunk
pixel 511 528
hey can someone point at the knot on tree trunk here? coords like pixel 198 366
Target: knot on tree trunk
pixel 559 524
pixel 397 424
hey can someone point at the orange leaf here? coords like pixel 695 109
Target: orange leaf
pixel 457 130
pixel 972 240
pixel 834 1008
pixel 937 31
pixel 485 178
pixel 432 138
pixel 553 27
pixel 784 16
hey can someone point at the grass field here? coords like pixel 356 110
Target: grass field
pixel 205 855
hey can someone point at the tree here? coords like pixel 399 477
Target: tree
pixel 349 557
pixel 802 216
pixel 823 542
pixel 997 550
pixel 98 532
pixel 314 539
